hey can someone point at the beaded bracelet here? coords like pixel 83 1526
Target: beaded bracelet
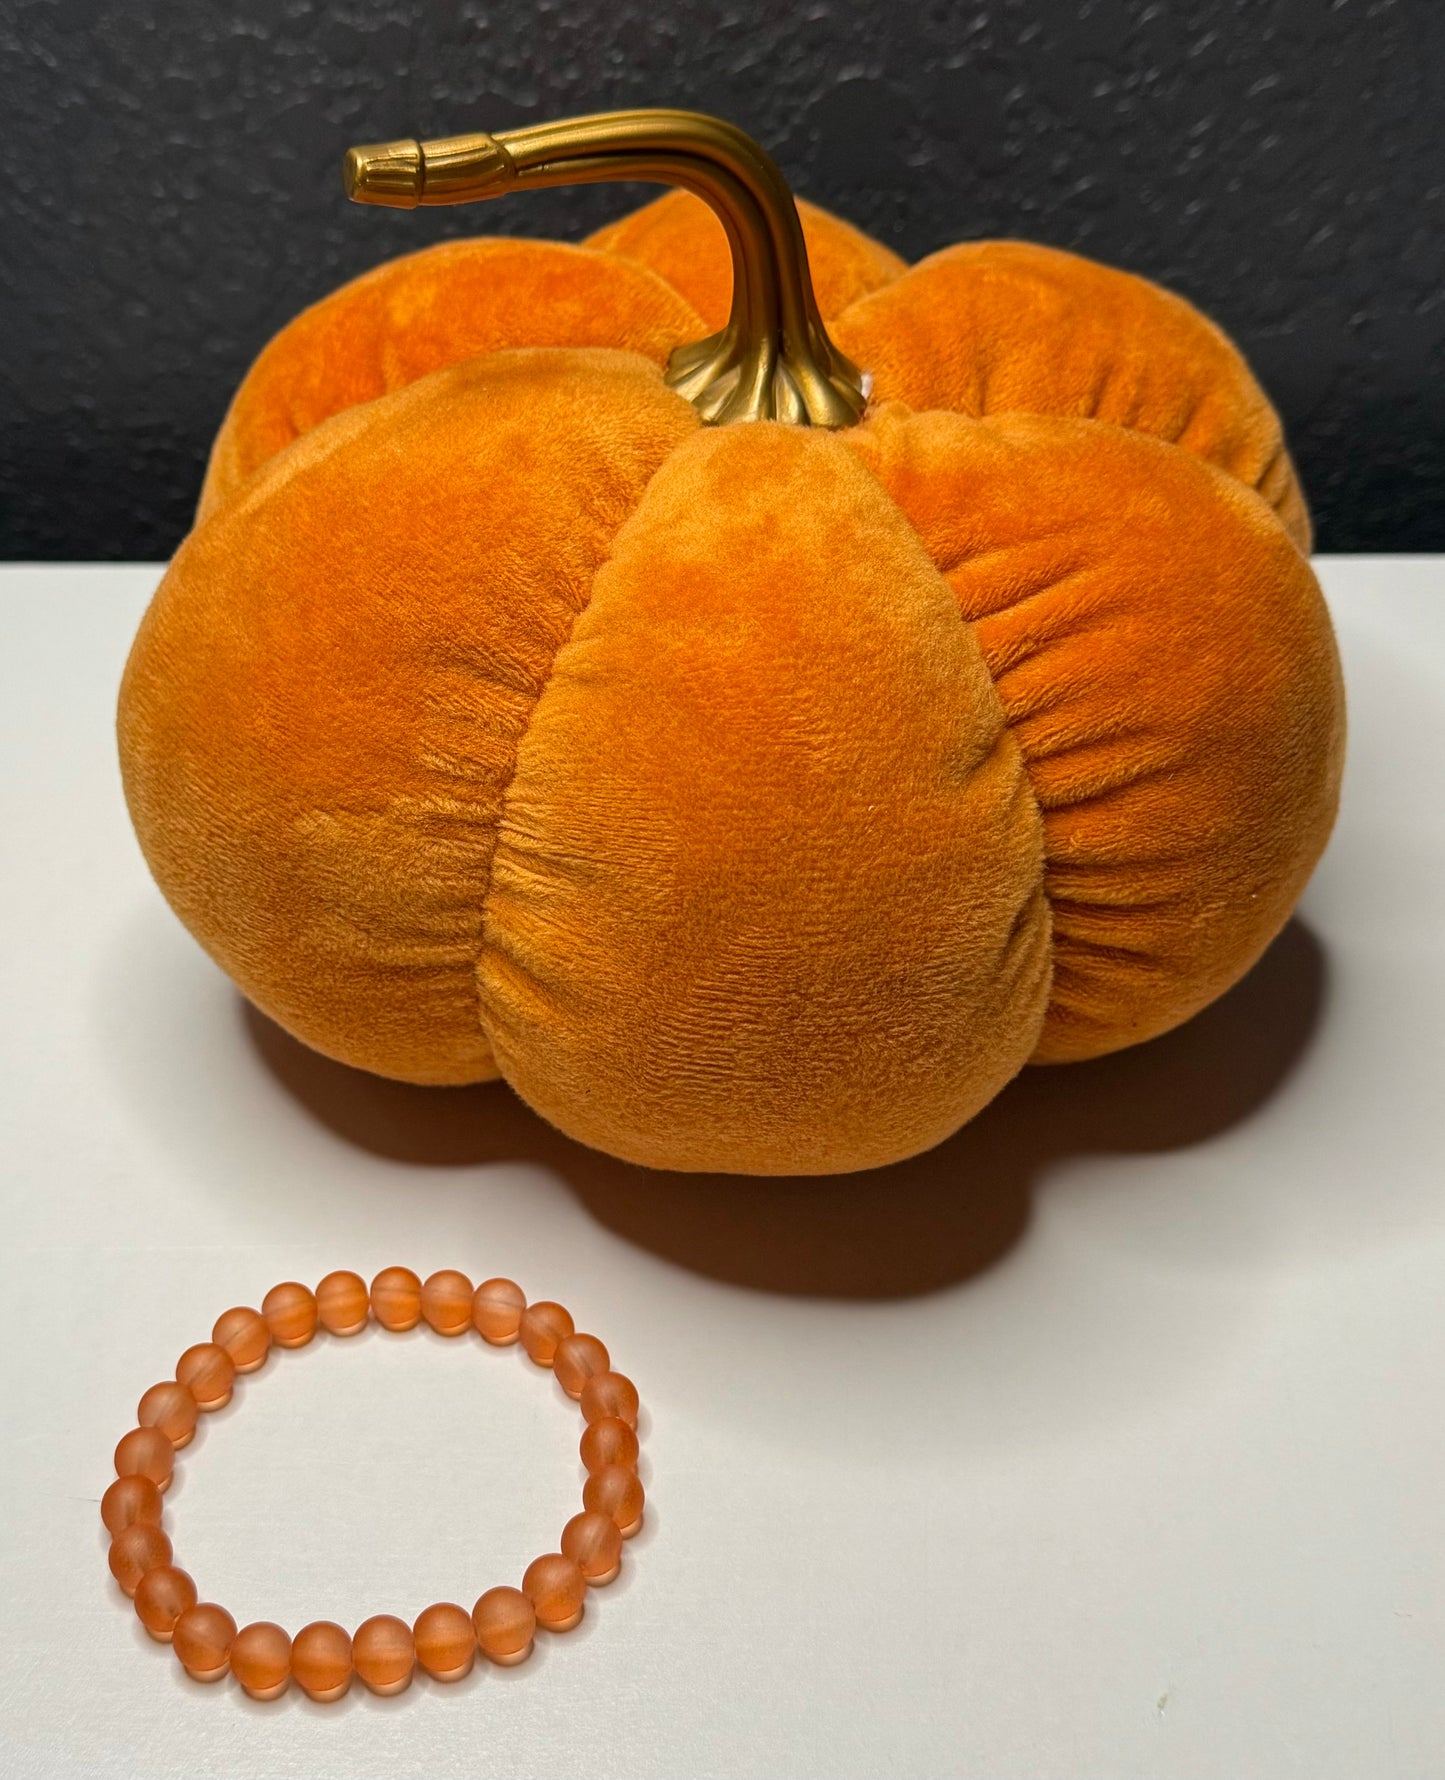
pixel 384 1651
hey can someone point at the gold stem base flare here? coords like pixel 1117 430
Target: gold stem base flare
pixel 773 360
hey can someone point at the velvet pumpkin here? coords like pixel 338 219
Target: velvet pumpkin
pixel 755 796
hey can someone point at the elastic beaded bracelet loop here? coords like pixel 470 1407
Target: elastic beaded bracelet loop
pixel 383 1651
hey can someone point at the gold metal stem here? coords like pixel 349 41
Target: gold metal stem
pixel 773 360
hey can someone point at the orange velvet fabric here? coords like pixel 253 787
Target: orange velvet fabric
pixel 1166 664
pixel 321 713
pixel 427 310
pixel 768 876
pixel 1008 327
pixel 752 798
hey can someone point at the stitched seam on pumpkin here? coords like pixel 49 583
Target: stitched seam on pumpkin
pixel 1058 967
pixel 1059 1015
pixel 1005 732
pixel 504 795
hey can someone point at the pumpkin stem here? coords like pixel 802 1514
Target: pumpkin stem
pixel 774 359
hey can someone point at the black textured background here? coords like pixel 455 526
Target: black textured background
pixel 169 194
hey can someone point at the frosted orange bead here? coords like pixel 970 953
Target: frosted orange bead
pixel 608 1442
pixel 446 1302
pixel 321 1659
pixel 542 1327
pixel 290 1313
pixel 343 1305
pixel 202 1641
pixel 615 1491
pixel 383 1654
pixel 504 1621
pixel 130 1499
pixel 135 1549
pixel 446 1644
pixel 245 1337
pixel 145 1452
pixel 610 1393
pixel 396 1298
pixel 497 1306
pixel 578 1358
pixel 208 1372
pixel 261 1659
pixel 594 1544
pixel 171 1408
pixel 161 1597
pixel 557 1590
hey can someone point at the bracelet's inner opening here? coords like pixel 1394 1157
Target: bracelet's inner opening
pixel 375 1473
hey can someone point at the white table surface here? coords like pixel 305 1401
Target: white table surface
pixel 1160 1493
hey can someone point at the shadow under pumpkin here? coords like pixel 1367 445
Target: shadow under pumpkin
pixel 916 1226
